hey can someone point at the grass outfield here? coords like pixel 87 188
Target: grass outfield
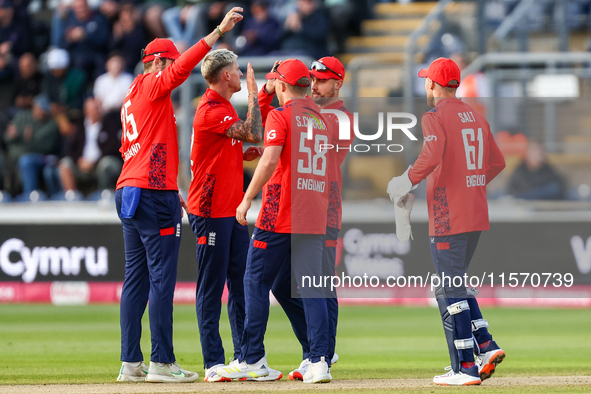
pixel 81 344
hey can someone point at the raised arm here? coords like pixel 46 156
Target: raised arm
pixel 171 77
pixel 250 130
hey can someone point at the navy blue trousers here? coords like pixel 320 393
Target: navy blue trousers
pixel 267 253
pixel 452 256
pixel 329 256
pixel 222 246
pixel 283 289
pixel 152 239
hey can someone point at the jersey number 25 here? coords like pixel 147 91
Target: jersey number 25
pixel 128 122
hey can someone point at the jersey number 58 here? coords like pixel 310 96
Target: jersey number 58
pixel 315 164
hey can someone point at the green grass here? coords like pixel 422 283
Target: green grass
pixel 81 344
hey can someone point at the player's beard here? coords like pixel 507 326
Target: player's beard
pixel 323 100
pixel 431 101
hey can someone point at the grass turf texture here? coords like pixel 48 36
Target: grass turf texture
pixel 48 344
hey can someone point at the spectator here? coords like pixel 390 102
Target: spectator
pixel 63 84
pixel 110 88
pixel 14 36
pixel 262 32
pixel 35 141
pixel 534 178
pixel 343 19
pixel 182 22
pixel 475 87
pixel 306 30
pixel 153 16
pixel 85 36
pixel 92 153
pixel 28 82
pixel 194 18
pixel 129 36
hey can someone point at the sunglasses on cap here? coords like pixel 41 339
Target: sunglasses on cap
pixel 275 70
pixel 144 54
pixel 317 66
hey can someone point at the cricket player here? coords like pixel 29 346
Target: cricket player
pixel 327 75
pixel 292 221
pixel 459 158
pixel 215 192
pixel 149 205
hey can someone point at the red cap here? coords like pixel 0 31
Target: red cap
pixel 442 71
pixel 160 47
pixel 289 71
pixel 328 68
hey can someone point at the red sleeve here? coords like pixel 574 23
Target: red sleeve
pixel 265 103
pixel 219 118
pixel 165 81
pixel 496 161
pixel 433 148
pixel 275 129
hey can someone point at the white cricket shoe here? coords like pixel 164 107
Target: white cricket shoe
pixel 272 376
pixel 466 377
pixel 133 372
pixel 212 376
pixel 318 373
pixel 298 374
pixel 488 359
pixel 169 373
pixel 243 370
pixel 334 359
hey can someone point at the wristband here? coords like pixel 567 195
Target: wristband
pixel 218 30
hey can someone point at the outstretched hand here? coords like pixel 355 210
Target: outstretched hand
pixel 251 82
pixel 231 19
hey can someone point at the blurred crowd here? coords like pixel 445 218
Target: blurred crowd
pixel 66 65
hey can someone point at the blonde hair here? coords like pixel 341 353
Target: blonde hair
pixel 214 62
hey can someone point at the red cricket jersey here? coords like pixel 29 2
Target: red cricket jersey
pixel 149 142
pixel 459 158
pixel 216 160
pixel 295 199
pixel 335 209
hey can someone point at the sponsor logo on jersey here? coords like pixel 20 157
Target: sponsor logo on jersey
pixel 429 138
pixel 211 239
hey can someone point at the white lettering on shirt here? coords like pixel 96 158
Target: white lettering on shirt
pixel 475 180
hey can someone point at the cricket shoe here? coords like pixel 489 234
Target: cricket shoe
pixel 169 373
pixel 488 359
pixel 466 377
pixel 272 376
pixel 334 359
pixel 133 372
pixel 212 376
pixel 298 374
pixel 244 370
pixel 318 373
